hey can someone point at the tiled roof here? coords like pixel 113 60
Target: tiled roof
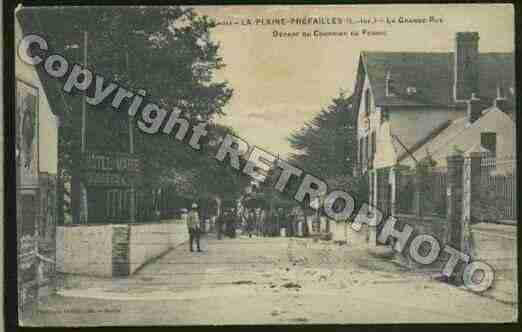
pixel 431 74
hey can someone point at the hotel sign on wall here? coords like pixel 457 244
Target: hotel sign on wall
pixel 115 169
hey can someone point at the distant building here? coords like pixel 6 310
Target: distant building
pixel 410 103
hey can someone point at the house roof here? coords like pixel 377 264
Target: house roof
pixel 460 133
pixel 431 74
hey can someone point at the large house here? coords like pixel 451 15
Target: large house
pixel 409 105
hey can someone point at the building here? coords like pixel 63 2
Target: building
pixel 36 169
pixel 414 104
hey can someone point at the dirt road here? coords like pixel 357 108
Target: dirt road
pixel 266 281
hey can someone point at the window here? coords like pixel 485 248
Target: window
pixel 374 145
pixel 367 101
pixel 361 152
pixel 488 140
pixel 370 191
pixel 367 152
pixel 118 204
pixel 411 90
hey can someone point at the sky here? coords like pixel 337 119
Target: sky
pixel 280 83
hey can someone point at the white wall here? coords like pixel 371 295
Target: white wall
pixel 409 124
pixel 48 125
pixel 412 125
pixel 148 241
pixel 361 132
pixel 88 250
pixel 496 245
pixel 342 231
pixel 84 250
pixel 466 137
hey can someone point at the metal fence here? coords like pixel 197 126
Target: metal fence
pixel 432 192
pixel 498 192
pixel 424 193
pixel 405 191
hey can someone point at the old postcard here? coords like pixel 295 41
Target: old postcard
pixel 225 165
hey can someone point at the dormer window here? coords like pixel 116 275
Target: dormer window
pixel 411 90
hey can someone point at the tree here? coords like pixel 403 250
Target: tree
pixel 165 50
pixel 326 147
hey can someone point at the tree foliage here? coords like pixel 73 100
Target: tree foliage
pixel 326 146
pixel 165 50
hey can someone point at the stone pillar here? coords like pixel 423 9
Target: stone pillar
pixel 372 230
pixel 375 188
pixel 455 161
pixel 120 250
pixel 392 180
pixel 472 173
pixel 417 195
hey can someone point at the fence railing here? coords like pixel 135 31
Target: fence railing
pixel 405 192
pixel 434 194
pixel 498 187
pixel 423 192
pixel 432 189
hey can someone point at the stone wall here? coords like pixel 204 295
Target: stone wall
pixel 84 249
pixel 148 241
pixel 430 225
pixel 342 232
pixel 120 250
pixel 496 245
pixel 114 250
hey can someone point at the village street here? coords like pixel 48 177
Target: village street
pixel 267 281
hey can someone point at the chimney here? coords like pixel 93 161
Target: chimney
pixel 500 101
pixel 474 108
pixel 465 74
pixel 389 84
pixel 488 140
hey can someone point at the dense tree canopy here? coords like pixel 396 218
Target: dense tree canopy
pixel 166 51
pixel 326 147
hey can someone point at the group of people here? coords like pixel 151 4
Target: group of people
pixel 253 222
pixel 225 224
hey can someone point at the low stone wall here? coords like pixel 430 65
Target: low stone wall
pixel 148 241
pixel 430 225
pixel 114 249
pixel 496 245
pixel 83 249
pixel 343 232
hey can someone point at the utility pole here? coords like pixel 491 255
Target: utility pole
pixel 76 186
pixel 83 193
pixel 132 202
pixel 84 105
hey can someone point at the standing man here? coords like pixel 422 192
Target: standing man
pixel 193 226
pixel 250 222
